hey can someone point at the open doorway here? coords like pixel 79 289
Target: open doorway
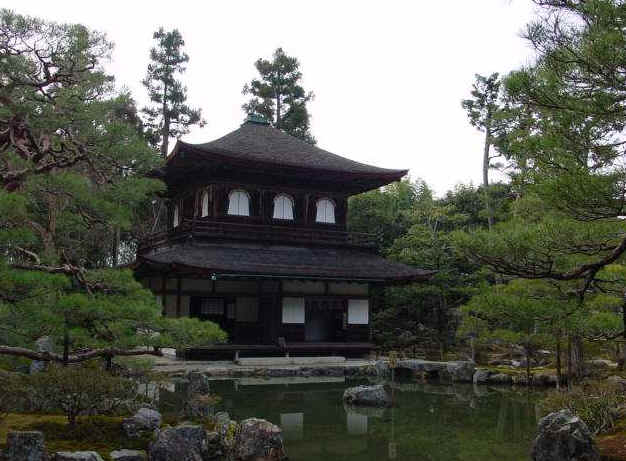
pixel 324 320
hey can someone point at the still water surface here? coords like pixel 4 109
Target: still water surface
pixel 429 422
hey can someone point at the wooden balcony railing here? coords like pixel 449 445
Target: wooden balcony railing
pixel 205 229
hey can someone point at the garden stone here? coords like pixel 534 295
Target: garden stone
pixel 382 368
pixel 563 436
pixel 500 378
pixel 43 344
pixel 259 439
pixel 461 371
pixel 145 420
pixel 198 383
pixel 77 456
pixel 618 380
pixel 373 396
pixel 128 455
pixel 481 376
pixel 26 446
pixel 185 442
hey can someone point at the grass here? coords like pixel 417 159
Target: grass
pixel 99 433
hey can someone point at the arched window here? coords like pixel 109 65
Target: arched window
pixel 239 203
pixel 283 207
pixel 325 211
pixel 204 201
pixel 176 216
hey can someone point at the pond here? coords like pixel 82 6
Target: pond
pixel 429 422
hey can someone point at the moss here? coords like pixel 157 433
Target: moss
pixel 99 433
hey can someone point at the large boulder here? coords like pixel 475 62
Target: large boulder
pixel 259 440
pixel 563 436
pixel 371 396
pixel 456 371
pixel 77 456
pixel 185 442
pixel 128 455
pixel 26 446
pixel 43 344
pixel 143 422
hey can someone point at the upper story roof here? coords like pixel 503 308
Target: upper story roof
pixel 269 150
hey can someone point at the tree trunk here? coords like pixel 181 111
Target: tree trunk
pixel 488 206
pixel 569 362
pixel 527 351
pixel 66 347
pixel 116 249
pixel 558 361
pixel 577 357
pixel 624 334
pixel 278 108
pixel 165 130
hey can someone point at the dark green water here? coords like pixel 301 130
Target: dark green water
pixel 430 422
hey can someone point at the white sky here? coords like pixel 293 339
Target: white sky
pixel 388 76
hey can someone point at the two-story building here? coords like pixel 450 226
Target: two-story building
pixel 257 242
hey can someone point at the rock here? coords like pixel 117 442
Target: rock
pixel 461 371
pixel 128 455
pixel 481 376
pixel 198 383
pixel 618 380
pixel 372 396
pixel 382 368
pixel 43 344
pixel 144 421
pixel 563 437
pixel 600 364
pixel 185 442
pixel 26 446
pixel 500 378
pixel 221 417
pixel 456 371
pixel 258 440
pixel 77 456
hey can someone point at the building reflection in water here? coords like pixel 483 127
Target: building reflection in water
pixel 292 425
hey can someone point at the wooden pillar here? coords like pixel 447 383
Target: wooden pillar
pixel 178 289
pixel 163 294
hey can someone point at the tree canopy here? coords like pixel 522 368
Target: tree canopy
pixel 279 96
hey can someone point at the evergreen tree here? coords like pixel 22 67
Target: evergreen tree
pixel 73 164
pixel 565 135
pixel 279 97
pixel 169 116
pixel 482 111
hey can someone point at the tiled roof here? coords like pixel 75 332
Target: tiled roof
pixel 262 143
pixel 284 261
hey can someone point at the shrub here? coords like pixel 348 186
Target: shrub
pixel 80 390
pixel 596 403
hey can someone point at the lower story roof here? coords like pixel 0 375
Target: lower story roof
pixel 239 259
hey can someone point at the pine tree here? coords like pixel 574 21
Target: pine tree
pixel 169 116
pixel 566 135
pixel 279 97
pixel 73 164
pixel 482 112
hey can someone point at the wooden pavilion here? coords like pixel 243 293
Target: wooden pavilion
pixel 256 241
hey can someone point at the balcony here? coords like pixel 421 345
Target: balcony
pixel 203 229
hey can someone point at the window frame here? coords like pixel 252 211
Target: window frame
pixel 291 200
pixel 230 194
pixel 317 208
pixel 204 199
pixel 176 215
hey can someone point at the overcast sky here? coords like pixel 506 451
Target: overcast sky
pixel 388 75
